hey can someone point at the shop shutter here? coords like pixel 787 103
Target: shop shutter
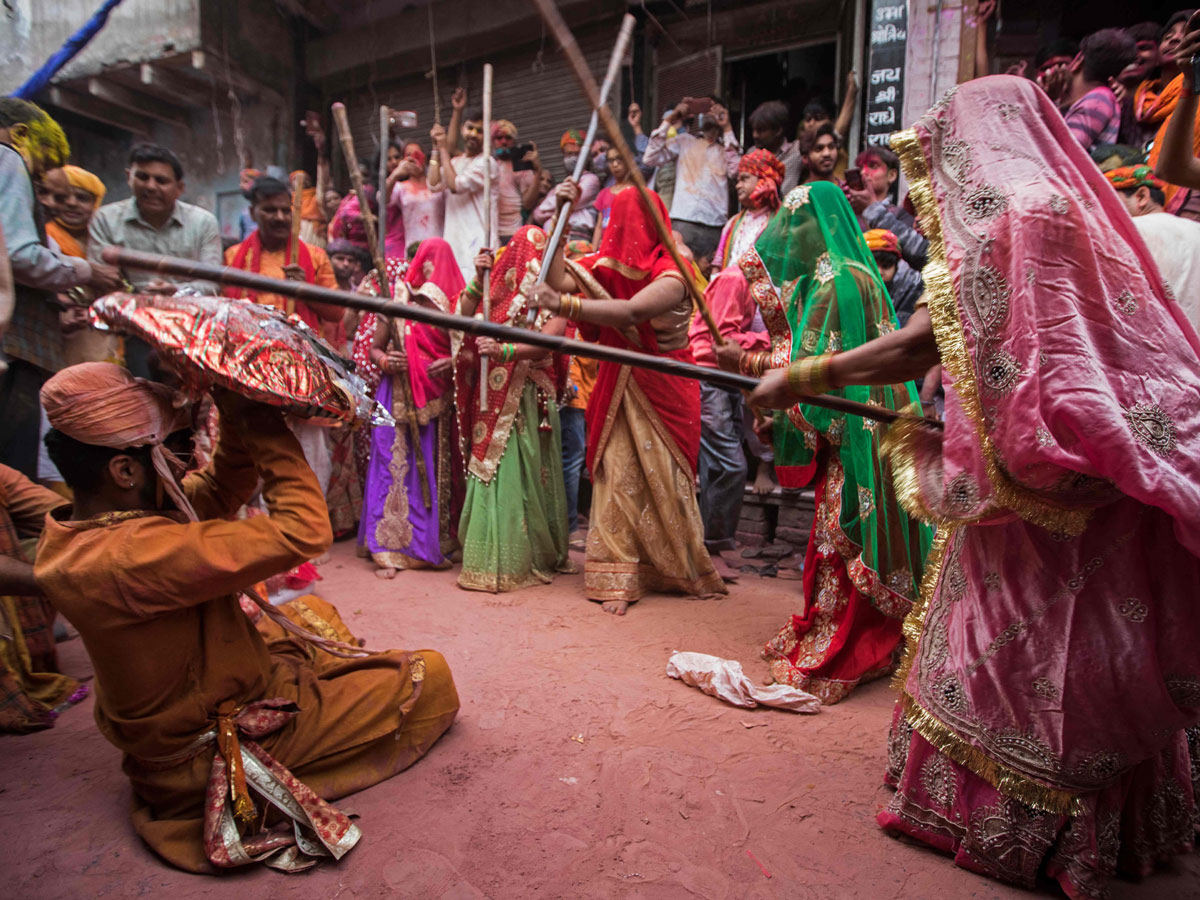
pixel 541 98
pixel 698 75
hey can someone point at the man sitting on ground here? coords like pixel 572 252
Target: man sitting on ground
pixel 148 569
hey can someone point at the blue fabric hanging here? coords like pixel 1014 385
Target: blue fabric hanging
pixel 76 42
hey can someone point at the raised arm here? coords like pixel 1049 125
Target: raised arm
pixel 983 15
pixel 168 565
pixel 846 114
pixel 1177 161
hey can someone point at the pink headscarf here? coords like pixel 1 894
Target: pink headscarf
pixel 1071 375
pixel 102 404
pixel 434 265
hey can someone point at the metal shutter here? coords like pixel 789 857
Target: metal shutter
pixel 542 100
pixel 698 75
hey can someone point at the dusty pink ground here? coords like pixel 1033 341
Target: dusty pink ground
pixel 663 798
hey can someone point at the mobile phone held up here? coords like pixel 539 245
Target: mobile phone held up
pixel 516 155
pixel 854 179
pixel 698 106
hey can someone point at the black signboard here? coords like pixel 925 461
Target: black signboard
pixel 884 87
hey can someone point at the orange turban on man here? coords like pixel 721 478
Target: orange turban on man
pixel 766 166
pixel 102 404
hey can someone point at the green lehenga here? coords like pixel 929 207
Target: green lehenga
pixel 514 527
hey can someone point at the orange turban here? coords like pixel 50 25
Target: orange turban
pixel 102 404
pixel 82 178
pixel 766 167
pixel 880 239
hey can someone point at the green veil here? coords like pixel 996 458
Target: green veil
pixel 820 291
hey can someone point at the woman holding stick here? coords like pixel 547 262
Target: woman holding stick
pixel 514 520
pixel 819 291
pixel 398 530
pixel 643 427
pixel 1050 700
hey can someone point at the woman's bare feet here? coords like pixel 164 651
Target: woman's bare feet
pixel 764 482
pixel 385 574
pixel 615 607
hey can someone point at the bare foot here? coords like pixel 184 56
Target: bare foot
pixel 385 574
pixel 320 560
pixel 763 482
pixel 615 607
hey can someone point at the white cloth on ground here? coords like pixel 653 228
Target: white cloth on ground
pixel 724 679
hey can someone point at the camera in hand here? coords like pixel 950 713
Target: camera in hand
pixel 516 155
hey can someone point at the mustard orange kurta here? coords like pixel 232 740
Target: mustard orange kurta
pixel 155 602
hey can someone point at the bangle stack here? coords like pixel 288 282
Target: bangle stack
pixel 755 363
pixel 472 290
pixel 508 352
pixel 570 306
pixel 809 376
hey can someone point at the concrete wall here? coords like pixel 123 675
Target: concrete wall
pixel 138 30
pixel 934 44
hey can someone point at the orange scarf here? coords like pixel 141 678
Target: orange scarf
pixel 66 241
pixel 1154 108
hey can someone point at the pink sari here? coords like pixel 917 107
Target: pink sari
pixel 1052 677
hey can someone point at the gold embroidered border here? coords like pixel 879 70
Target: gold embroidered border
pixel 952 344
pixel 617 266
pixel 614 407
pixel 394 528
pixel 942 737
pixel 915 621
pixel 1001 777
pixel 485 469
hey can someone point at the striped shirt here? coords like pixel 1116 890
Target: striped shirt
pixel 1095 118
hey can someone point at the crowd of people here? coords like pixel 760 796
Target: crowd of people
pixel 1010 522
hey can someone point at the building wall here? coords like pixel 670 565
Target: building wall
pixel 932 57
pixel 137 30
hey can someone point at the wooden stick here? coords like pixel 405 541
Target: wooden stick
pixel 489 224
pixel 293 254
pixel 583 75
pixel 564 212
pixel 385 133
pixel 385 287
pixel 301 290
pixel 437 99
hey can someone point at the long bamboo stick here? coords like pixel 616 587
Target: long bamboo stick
pixel 488 225
pixel 564 213
pixel 385 134
pixel 587 82
pixel 342 123
pixel 198 271
pixel 293 254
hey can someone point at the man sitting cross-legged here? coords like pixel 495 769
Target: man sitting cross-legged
pixel 148 569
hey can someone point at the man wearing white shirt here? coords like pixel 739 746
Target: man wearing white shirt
pixel 704 165
pixel 463 176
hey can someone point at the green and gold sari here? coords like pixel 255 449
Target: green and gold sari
pixel 819 291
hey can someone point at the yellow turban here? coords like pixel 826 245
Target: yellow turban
pixel 82 178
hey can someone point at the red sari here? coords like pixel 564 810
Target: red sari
pixel 643 429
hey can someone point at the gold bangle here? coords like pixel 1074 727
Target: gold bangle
pixel 809 376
